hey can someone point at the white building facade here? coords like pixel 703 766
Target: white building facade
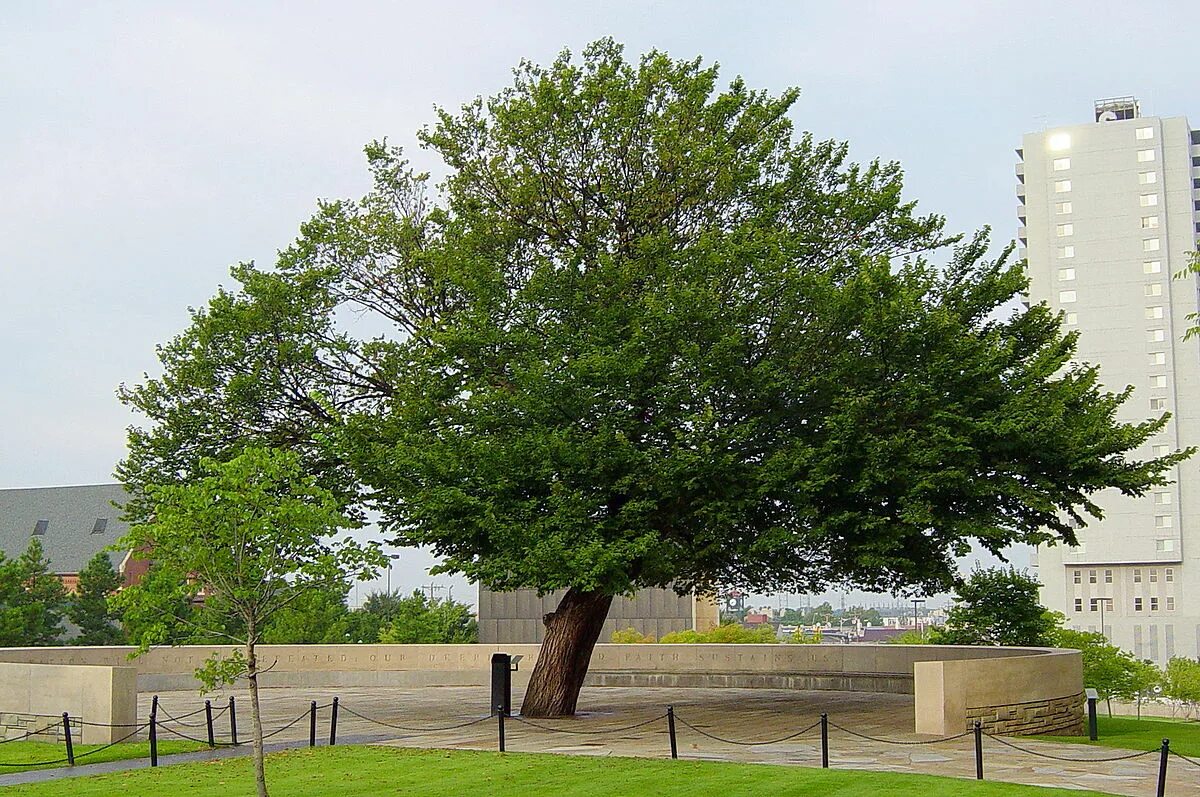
pixel 1109 213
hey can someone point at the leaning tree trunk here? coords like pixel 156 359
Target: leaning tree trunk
pixel 260 773
pixel 571 632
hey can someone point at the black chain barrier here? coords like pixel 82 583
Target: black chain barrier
pixel 713 736
pixel 900 741
pixel 1191 761
pixel 182 735
pixel 468 723
pixel 595 732
pixel 266 736
pixel 179 720
pixel 1053 757
pixel 38 732
pixel 78 756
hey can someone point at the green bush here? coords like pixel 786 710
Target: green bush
pixel 630 636
pixel 723 634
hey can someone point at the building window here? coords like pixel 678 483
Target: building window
pixel 1169 573
pixel 1066 297
pixel 1161 451
pixel 1154 575
pixel 1062 164
pixel 1147 178
pixel 1150 244
pixel 1145 155
pixel 1149 222
pixel 1152 290
pixel 1155 335
pixel 1153 604
pixel 1079 604
pixel 1158 358
pixel 1065 252
pixel 1078 576
pixel 1137 575
pixel 1158 381
pixel 1137 604
pixel 1091 576
pixel 1060 141
pixel 1162 498
pixel 1154 312
pixel 1107 576
pixel 1066 274
pixel 1166 546
pixel 1149 200
pixel 1151 266
pixel 1158 403
pixel 1162 522
pixel 1063 208
pixel 1063 230
pixel 1072 319
pixel 1170 603
pixel 1144 133
pixel 1062 186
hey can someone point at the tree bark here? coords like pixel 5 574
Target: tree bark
pixel 260 772
pixel 571 633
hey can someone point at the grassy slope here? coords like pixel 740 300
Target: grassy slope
pixel 353 771
pixel 25 753
pixel 1131 733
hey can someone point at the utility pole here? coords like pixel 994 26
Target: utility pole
pixel 916 602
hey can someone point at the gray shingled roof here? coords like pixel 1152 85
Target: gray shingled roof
pixel 72 513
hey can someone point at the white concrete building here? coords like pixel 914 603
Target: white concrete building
pixel 1109 212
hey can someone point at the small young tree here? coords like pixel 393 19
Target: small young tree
pixel 1181 682
pixel 997 606
pixel 89 608
pixel 419 620
pixel 1144 679
pixel 32 599
pixel 253 536
pixel 1106 668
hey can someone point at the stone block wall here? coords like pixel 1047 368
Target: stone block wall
pixel 15 725
pixel 1063 716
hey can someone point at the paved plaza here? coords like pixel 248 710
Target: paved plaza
pixel 737 715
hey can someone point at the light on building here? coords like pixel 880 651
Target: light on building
pixel 1060 141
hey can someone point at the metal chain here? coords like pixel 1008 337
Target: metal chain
pixel 348 710
pixel 1126 757
pixel 900 741
pixel 27 734
pixel 594 732
pixel 746 744
pixel 81 755
pixel 174 732
pixel 1191 761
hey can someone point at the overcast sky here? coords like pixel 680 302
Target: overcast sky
pixel 145 147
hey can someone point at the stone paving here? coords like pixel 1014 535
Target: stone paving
pixel 742 715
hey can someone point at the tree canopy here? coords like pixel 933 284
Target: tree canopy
pixel 645 334
pixel 997 606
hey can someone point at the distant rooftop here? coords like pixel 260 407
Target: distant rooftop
pixel 72 523
pixel 1114 109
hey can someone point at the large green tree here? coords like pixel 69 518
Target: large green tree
pixel 644 335
pixel 32 599
pixel 997 606
pixel 89 608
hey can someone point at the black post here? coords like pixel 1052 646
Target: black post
pixel 312 723
pixel 1093 727
pixel 232 722
pixel 333 724
pixel 500 717
pixel 671 731
pixel 212 742
pixel 70 747
pixel 1162 767
pixel 825 741
pixel 502 683
pixel 154 706
pixel 153 739
pixel 978 750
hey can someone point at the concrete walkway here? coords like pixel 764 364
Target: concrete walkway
pixel 426 718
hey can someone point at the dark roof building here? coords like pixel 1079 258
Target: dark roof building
pixel 72 523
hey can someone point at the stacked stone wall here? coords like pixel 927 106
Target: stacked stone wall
pixel 1063 716
pixel 15 725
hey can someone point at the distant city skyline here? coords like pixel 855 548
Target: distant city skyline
pixel 149 146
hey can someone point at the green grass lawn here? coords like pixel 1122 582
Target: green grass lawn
pixel 363 770
pixel 1140 734
pixel 25 754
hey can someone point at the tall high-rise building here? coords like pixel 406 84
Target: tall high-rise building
pixel 1109 214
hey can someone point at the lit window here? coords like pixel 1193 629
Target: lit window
pixel 1158 358
pixel 1166 546
pixel 1066 274
pixel 1072 319
pixel 1066 297
pixel 1137 604
pixel 1063 208
pixel 1153 603
pixel 1091 576
pixel 1144 133
pixel 1162 522
pixel 1159 381
pixel 1154 312
pixel 1155 335
pixel 1107 576
pixel 1162 451
pixel 1151 266
pixel 1152 290
pixel 1064 229
pixel 1150 245
pixel 1147 178
pixel 1170 603
pixel 1065 252
pixel 1062 164
pixel 1137 575
pixel 1078 576
pixel 1149 222
pixel 1158 403
pixel 1062 186
pixel 1169 573
pixel 1162 498
pixel 1060 141
pixel 1148 200
pixel 1145 155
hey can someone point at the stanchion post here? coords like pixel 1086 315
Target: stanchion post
pixel 333 723
pixel 825 741
pixel 232 721
pixel 671 731
pixel 978 750
pixel 500 718
pixel 67 732
pixel 153 739
pixel 1163 755
pixel 212 741
pixel 312 723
